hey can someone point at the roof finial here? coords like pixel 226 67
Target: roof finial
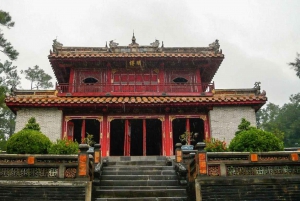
pixel 106 44
pixel 133 38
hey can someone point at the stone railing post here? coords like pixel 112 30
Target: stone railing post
pixel 83 161
pixel 178 153
pixel 201 159
pixel 97 153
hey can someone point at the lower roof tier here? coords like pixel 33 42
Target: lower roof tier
pixel 50 99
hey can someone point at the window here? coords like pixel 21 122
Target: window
pixel 180 80
pixel 90 80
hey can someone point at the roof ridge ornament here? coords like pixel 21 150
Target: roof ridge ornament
pixel 133 43
pixel 56 45
pixel 155 43
pixel 113 44
pixel 215 46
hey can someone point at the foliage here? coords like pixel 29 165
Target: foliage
pixel 3 142
pixel 283 121
pixel 32 125
pixel 88 140
pixel 8 77
pixel 64 146
pixel 243 126
pixel 215 145
pixel 38 78
pixel 296 65
pixel 6 47
pixel 255 140
pixel 187 137
pixel 28 141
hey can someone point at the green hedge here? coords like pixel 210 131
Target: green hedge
pixel 255 140
pixel 28 141
pixel 64 146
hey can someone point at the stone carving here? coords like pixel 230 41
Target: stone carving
pixel 70 173
pixel 257 87
pixel 155 43
pixel 214 170
pixel 113 44
pixel 57 44
pixel 263 93
pixel 215 46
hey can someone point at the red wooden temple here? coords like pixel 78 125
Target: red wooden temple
pixel 136 100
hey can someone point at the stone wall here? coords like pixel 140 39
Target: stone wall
pixel 44 190
pixel 248 188
pixel 49 119
pixel 224 121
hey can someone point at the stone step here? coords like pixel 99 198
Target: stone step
pixel 123 193
pixel 136 158
pixel 139 183
pixel 136 167
pixel 145 199
pixel 139 172
pixel 138 187
pixel 138 177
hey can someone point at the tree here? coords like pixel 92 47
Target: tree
pixel 8 79
pixel 283 121
pixel 38 78
pixel 6 47
pixel 243 126
pixel 251 139
pixel 296 65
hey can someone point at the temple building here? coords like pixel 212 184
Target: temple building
pixel 137 99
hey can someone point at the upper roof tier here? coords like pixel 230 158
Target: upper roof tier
pixel 62 57
pixel 135 50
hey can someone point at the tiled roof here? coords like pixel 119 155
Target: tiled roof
pixel 133 55
pixel 54 100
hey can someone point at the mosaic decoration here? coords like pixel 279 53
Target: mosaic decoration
pixel 214 170
pixel 56 160
pixel 262 170
pixel 244 158
pixel 70 173
pixel 13 160
pixel 274 158
pixel 29 172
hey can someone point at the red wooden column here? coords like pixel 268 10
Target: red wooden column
pixel 198 81
pixel 161 79
pixel 83 129
pixel 71 80
pixel 187 128
pixel 167 144
pixel 144 138
pixel 104 141
pixel 127 134
pixel 206 128
pixel 109 80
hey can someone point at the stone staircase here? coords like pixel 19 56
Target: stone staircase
pixel 138 178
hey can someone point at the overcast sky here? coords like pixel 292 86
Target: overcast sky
pixel 258 38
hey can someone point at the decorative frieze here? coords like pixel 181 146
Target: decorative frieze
pixel 262 170
pixel 29 172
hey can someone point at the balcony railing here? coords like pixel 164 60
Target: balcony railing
pixel 135 89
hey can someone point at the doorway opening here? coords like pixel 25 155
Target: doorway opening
pixel 135 137
pixel 83 127
pixel 194 125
